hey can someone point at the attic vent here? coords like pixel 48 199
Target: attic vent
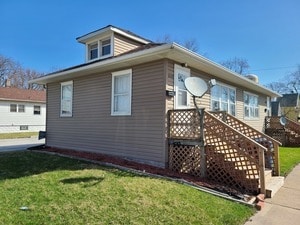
pixel 252 77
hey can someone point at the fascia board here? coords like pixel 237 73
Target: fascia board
pixel 85 38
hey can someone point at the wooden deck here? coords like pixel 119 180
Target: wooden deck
pixel 288 134
pixel 223 149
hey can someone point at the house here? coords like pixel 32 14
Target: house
pixel 290 106
pixel 116 102
pixel 284 124
pixel 22 110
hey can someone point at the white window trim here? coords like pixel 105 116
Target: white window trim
pixel 61 86
pixel 188 71
pixel 227 86
pixel 98 41
pixel 250 117
pixel 121 73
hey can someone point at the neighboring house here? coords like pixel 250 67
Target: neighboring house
pixel 290 106
pixel 117 101
pixel 22 110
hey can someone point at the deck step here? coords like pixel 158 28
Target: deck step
pixel 268 175
pixel 273 185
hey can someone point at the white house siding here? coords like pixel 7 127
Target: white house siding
pixel 12 121
pixel 92 128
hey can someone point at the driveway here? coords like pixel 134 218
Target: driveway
pixel 19 144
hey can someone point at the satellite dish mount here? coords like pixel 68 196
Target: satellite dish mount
pixel 197 87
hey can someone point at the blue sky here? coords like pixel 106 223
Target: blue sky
pixel 41 34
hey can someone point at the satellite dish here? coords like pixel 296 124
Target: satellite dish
pixel 196 86
pixel 282 121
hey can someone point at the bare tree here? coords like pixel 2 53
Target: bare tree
pixel 190 44
pixel 238 65
pixel 8 67
pixel 294 80
pixel 18 76
pixel 289 84
pixel 278 86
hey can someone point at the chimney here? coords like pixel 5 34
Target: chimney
pixel 7 83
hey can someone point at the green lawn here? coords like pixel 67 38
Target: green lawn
pixel 289 158
pixel 18 135
pixel 60 190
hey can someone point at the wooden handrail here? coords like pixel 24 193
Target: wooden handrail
pixel 254 134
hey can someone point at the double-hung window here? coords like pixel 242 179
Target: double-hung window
pixel 223 98
pixel 21 108
pixel 36 110
pixel 93 51
pixel 105 47
pixel 13 107
pixel 66 99
pixel 250 106
pixel 121 92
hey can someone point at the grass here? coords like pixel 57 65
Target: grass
pixel 60 190
pixel 289 158
pixel 18 135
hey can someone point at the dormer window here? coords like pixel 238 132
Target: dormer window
pixel 99 49
pixel 93 51
pixel 106 47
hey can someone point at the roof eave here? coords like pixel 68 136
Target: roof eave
pixel 171 51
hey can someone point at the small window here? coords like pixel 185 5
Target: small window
pixel 36 110
pixel 251 106
pixel 121 92
pixel 13 107
pixel 93 51
pixel 66 99
pixel 105 47
pixel 21 108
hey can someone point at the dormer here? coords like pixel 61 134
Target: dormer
pixel 108 42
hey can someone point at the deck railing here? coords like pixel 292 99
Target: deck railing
pixel 288 134
pixel 272 145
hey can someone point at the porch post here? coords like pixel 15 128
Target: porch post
pixel 202 145
pixel 277 162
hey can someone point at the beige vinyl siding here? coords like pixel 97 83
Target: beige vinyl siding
pixel 123 44
pixel 92 128
pixel 205 101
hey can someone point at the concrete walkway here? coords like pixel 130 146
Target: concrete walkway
pixel 19 144
pixel 284 207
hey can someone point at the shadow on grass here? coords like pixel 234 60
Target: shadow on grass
pixel 87 181
pixel 26 163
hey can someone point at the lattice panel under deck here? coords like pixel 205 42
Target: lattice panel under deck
pixel 185 159
pixel 226 172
